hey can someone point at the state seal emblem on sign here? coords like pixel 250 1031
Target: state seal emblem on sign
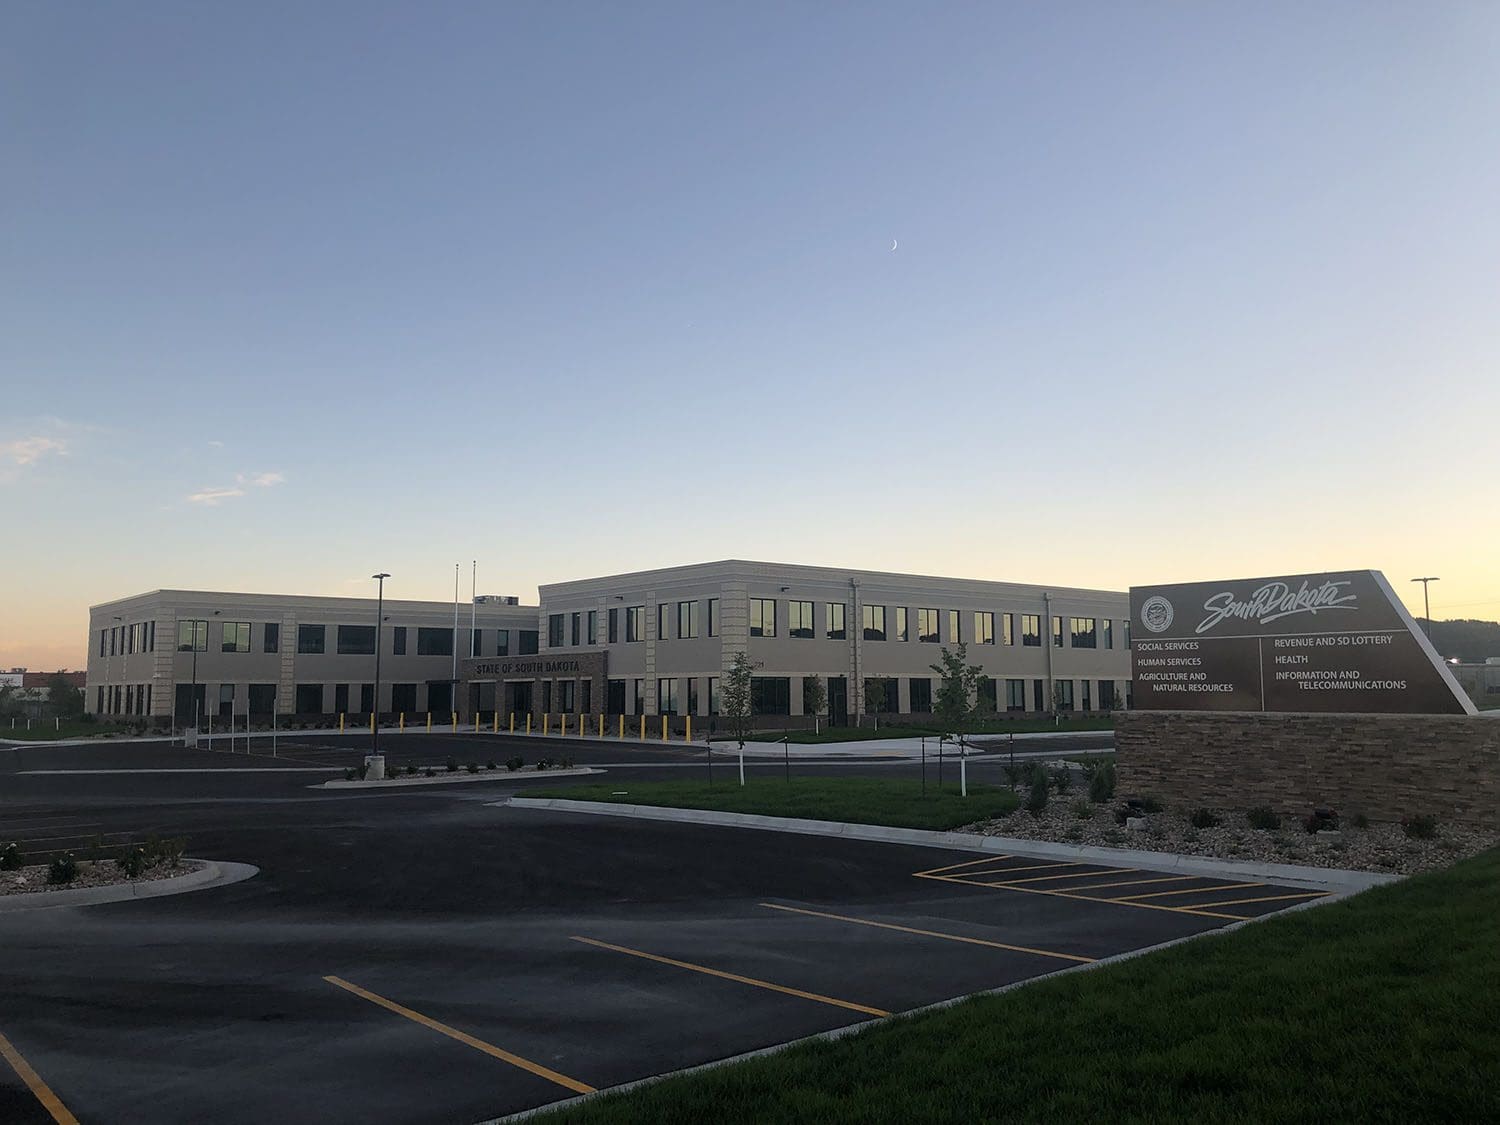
pixel 1156 614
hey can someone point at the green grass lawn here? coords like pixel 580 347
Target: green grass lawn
pixel 44 730
pixel 1384 1007
pixel 861 800
pixel 1090 722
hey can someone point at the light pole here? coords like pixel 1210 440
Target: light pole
pixel 378 762
pixel 1426 608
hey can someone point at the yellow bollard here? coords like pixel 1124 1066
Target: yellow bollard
pixel 453 719
pixel 512 722
pixel 643 726
pixel 476 722
pixel 403 721
pixel 429 721
pixel 563 719
pixel 372 722
pixel 341 722
pixel 496 728
pixel 663 728
pixel 622 724
pixel 601 724
pixel 688 737
pixel 528 722
pixel 547 723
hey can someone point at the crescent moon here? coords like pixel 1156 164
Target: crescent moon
pixel 893 244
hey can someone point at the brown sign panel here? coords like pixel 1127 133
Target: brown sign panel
pixel 1308 642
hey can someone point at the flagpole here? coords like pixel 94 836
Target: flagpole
pixel 453 694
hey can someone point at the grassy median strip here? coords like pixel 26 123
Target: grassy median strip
pixel 867 733
pixel 860 800
pixel 1383 1007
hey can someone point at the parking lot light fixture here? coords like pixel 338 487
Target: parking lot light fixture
pixel 1426 606
pixel 375 703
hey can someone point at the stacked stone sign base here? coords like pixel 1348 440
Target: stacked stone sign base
pixel 1384 766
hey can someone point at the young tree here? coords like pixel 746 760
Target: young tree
pixel 814 698
pixel 734 704
pixel 958 689
pixel 65 700
pixel 876 692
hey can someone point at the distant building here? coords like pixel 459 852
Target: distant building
pixel 31 690
pixel 651 643
pixel 1481 681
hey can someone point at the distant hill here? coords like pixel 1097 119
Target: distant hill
pixel 1470 641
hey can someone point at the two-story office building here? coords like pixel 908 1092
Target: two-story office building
pixel 652 643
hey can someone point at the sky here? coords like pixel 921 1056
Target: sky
pixel 1079 294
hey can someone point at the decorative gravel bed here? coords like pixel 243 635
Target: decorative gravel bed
pixel 1071 818
pixel 101 873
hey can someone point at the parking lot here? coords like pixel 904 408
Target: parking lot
pixel 429 955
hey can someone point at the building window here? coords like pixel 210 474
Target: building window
pixel 1127 633
pixel 192 636
pixel 1088 702
pixel 921 694
pixel 1008 628
pixel 713 693
pixel 340 699
pixel 662 611
pixel 874 622
pixel 103 641
pixel 1015 695
pixel 799 620
pixel 927 626
pixel 1063 690
pixel 575 630
pixel 837 629
pixel 403 697
pixel 1084 635
pixel 434 642
pixel 954 635
pixel 554 630
pixel 1039 694
pixel 271 640
pixel 309 699
pixel 356 640
pixel 762 617
pixel 638 690
pixel 1031 630
pixel 567 696
pixel 713 617
pixel 770 695
pixel 901 631
pixel 235 636
pixel 526 642
pixel 614 702
pixel 1057 632
pixel 261 699
pixel 310 640
pixel 502 642
pixel 1106 627
pixel 593 627
pixel 687 621
pixel 987 701
pixel 692 706
pixel 1106 695
pixel 366 698
pixel 635 623
pixel 476 642
pixel 612 625
pixel 666 696
pixel 984 628
pixel 882 696
pixel 398 642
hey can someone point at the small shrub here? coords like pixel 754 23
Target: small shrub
pixel 565 763
pixel 452 765
pixel 1102 784
pixel 96 849
pixel 490 765
pixel 473 767
pixel 1082 810
pixel 1148 805
pixel 1263 818
pixel 1062 779
pixel 1419 826
pixel 411 769
pixel 64 869
pixel 1012 776
pixel 428 772
pixel 1202 818
pixel 349 774
pixel 1320 820
pixel 1360 821
pixel 515 763
pixel 1036 800
pixel 1122 813
pixel 132 862
pixel 11 857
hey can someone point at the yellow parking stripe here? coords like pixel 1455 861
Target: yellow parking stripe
pixel 1188 891
pixel 50 1101
pixel 1086 898
pixel 735 977
pixel 1046 878
pixel 468 1040
pixel 966 863
pixel 1134 882
pixel 1268 898
pixel 931 933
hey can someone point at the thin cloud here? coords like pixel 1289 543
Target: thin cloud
pixel 211 497
pixel 30 450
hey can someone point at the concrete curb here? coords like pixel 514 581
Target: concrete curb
pixel 460 777
pixel 213 873
pixel 1319 878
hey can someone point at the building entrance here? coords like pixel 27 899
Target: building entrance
pixel 838 701
pixel 518 697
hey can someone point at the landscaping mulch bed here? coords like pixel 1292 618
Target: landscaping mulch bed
pixel 32 879
pixel 1070 818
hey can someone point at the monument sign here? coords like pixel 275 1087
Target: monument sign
pixel 1308 642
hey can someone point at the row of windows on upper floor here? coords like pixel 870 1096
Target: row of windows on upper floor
pixel 353 640
pixel 932 626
